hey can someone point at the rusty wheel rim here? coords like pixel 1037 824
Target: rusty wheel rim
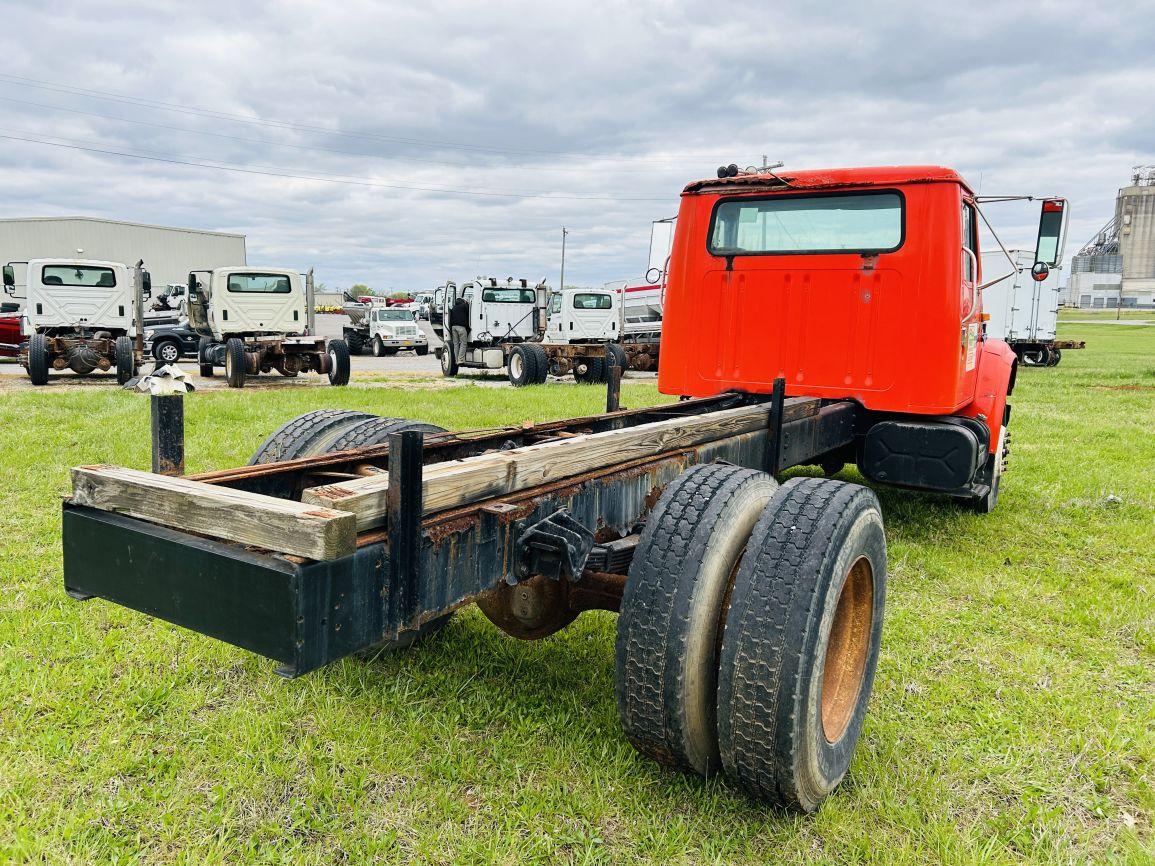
pixel 847 650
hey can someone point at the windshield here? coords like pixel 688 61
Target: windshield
pixel 394 315
pixel 592 301
pixel 269 284
pixel 69 275
pixel 860 222
pixel 508 296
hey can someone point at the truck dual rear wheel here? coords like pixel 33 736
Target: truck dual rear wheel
pixel 800 642
pixel 339 363
pixel 125 360
pixel 235 362
pixel 750 628
pixel 522 366
pixel 38 363
pixel 667 645
pixel 204 347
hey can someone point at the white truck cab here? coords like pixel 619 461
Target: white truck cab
pixel 254 301
pixel 80 314
pixel 78 295
pixel 583 316
pixel 392 329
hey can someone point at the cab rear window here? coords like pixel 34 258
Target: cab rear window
pixel 591 301
pixel 66 275
pixel 268 284
pixel 852 223
pixel 508 296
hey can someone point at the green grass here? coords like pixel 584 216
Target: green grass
pixel 1075 314
pixel 1011 721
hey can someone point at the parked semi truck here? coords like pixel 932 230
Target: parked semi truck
pixel 1023 310
pixel 255 320
pixel 82 315
pixel 750 612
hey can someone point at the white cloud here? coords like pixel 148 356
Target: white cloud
pixel 626 102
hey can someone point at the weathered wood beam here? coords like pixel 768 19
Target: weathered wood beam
pixel 461 482
pixel 281 525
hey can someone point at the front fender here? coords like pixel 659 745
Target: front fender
pixel 997 366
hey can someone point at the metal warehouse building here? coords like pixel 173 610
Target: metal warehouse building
pixel 168 253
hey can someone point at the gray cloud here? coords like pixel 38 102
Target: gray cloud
pixel 620 101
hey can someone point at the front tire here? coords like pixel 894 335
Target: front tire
pixel 166 352
pixel 339 363
pixel 800 642
pixel 125 360
pixel 448 361
pixel 235 362
pixel 38 359
pixel 378 347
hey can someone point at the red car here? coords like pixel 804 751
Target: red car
pixel 10 336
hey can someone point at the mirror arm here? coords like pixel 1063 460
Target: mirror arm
pixel 998 240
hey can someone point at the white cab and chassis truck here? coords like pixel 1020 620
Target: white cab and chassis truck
pixel 255 320
pixel 81 314
pixel 510 326
pixel 382 328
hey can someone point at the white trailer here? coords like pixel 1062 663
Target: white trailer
pixel 1024 311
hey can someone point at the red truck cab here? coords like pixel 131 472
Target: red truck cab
pixel 857 284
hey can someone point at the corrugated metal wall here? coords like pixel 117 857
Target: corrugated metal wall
pixel 1135 213
pixel 168 253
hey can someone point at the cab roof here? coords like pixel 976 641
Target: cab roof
pixel 828 178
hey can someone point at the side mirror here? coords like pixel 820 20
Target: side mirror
pixel 147 290
pixel 653 276
pixel 9 280
pixel 1040 271
pixel 1052 233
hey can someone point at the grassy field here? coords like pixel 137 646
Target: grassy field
pixel 1012 719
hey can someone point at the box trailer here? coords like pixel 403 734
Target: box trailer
pixel 1024 311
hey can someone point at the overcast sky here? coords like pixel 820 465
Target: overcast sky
pixel 599 112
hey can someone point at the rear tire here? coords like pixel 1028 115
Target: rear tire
pixel 422 350
pixel 800 642
pixel 595 371
pixel 522 367
pixel 355 343
pixel 616 356
pixel 203 349
pixel 375 431
pixel 125 360
pixel 307 434
pixel 541 358
pixel 235 362
pixel 339 363
pixel 666 654
pixel 38 359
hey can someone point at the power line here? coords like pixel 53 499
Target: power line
pixel 22 81
pixel 321 178
pixel 306 147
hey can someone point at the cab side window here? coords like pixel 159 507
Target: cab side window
pixel 969 241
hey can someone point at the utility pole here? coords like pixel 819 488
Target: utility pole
pixel 561 285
